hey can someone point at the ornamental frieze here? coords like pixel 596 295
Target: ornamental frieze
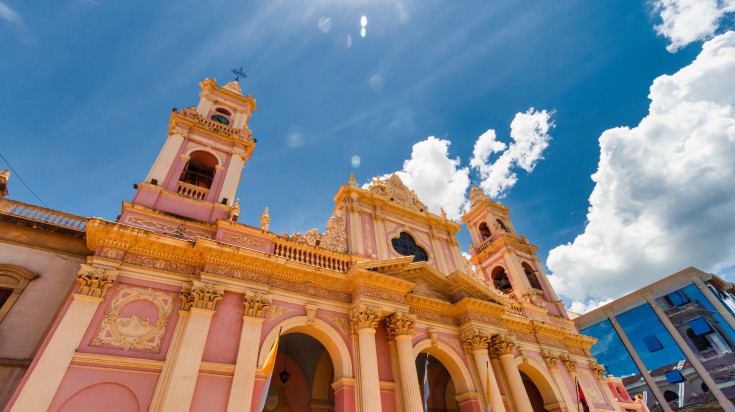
pixel 362 291
pixel 235 273
pixel 481 317
pixel 160 264
pixel 110 253
pixel 142 330
pixel 277 311
pixel 341 323
pixel 311 290
pixel 244 240
pixel 433 316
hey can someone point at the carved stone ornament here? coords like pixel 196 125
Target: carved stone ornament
pixel 598 370
pixel 94 281
pixel 434 336
pixel 364 317
pixel 135 331
pixel 550 359
pixel 475 340
pixel 311 314
pixel 399 324
pixel 334 238
pixel 504 345
pixel 394 189
pixel 201 296
pixel 255 305
pixel 569 363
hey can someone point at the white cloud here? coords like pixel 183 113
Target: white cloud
pixel 530 134
pixel 664 197
pixel 438 180
pixel 8 14
pixel 687 21
pixel 441 182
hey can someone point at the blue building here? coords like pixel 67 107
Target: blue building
pixel 671 342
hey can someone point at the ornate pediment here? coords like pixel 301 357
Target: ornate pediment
pixel 428 289
pixel 393 188
pixel 334 238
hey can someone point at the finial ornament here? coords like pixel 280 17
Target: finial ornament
pixel 4 177
pixel 265 220
pixel 235 211
pixel 353 182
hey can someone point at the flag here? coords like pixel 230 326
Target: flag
pixel 487 386
pixel 581 400
pixel 426 384
pixel 268 367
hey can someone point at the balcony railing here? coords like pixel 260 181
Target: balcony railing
pixel 192 191
pixel 42 215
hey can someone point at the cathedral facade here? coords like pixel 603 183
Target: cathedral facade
pixel 177 304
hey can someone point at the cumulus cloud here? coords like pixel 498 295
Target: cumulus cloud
pixel 530 134
pixel 438 180
pixel 8 14
pixel 687 21
pixel 442 182
pixel 664 191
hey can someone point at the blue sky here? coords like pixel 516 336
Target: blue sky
pixel 88 85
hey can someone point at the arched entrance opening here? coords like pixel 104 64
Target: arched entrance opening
pixel 441 390
pixel 534 395
pixel 302 377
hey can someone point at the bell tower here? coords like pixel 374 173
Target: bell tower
pixel 197 171
pixel 505 259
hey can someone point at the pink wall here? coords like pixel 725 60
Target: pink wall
pixel 80 390
pixel 385 370
pixel 388 400
pixel 223 339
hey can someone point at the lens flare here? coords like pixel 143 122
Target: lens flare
pixel 325 24
pixel 363 21
pixel 355 161
pixel 363 32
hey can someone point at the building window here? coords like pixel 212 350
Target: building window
pixel 677 298
pixel 531 276
pixel 484 231
pixel 674 376
pixel 700 327
pixel 405 245
pixel 199 171
pixel 652 343
pixel 500 280
pixel 670 395
pixel 501 225
pixel 700 342
pixel 13 280
pixel 221 119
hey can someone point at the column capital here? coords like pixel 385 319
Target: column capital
pixel 503 345
pixel 475 340
pixel 255 305
pixel 569 363
pixel 201 295
pixel 400 324
pixel 550 359
pixel 364 317
pixel 95 281
pixel 598 370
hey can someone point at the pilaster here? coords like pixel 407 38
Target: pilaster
pixel 552 362
pixel 200 300
pixel 40 388
pixel 243 381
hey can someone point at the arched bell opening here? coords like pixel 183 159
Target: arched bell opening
pixel 302 376
pixel 500 280
pixel 436 385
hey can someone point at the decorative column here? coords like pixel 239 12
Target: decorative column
pixel 364 321
pixel 41 386
pixel 639 363
pixel 200 299
pixel 165 159
pixel 552 363
pixel 243 382
pixel 380 237
pixel 477 342
pixel 232 178
pixel 506 349
pixel 693 358
pixel 571 366
pixel 400 328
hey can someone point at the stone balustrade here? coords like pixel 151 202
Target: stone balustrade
pixel 192 191
pixel 42 215
pixel 310 255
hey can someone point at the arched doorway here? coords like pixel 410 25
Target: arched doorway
pixel 302 377
pixel 541 390
pixel 534 394
pixel 441 390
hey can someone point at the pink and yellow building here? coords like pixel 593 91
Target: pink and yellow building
pixel 178 304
